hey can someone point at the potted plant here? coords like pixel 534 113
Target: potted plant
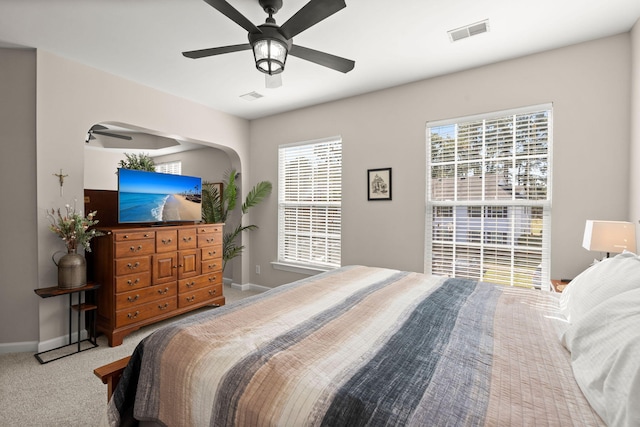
pixel 217 208
pixel 74 230
pixel 141 161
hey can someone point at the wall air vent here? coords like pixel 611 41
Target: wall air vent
pixel 251 96
pixel 469 30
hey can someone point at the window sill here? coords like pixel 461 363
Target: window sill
pixel 308 270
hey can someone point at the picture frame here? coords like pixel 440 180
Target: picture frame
pixel 379 184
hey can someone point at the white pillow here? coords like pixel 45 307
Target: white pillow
pixel 598 283
pixel 605 357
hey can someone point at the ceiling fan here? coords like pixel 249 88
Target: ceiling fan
pixel 101 130
pixel 272 43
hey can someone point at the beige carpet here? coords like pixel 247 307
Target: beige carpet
pixel 65 392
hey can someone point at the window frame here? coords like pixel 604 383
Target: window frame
pixel 439 251
pixel 327 198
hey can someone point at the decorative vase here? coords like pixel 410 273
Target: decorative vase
pixel 72 270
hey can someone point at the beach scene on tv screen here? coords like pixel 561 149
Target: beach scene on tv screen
pixel 158 197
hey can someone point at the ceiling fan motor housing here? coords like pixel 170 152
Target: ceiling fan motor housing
pixel 270 6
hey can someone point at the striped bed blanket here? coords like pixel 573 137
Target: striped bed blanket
pixel 359 346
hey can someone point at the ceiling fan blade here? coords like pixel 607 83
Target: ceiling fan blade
pixel 321 58
pixel 202 53
pixel 230 12
pixel 273 81
pixel 112 135
pixel 310 14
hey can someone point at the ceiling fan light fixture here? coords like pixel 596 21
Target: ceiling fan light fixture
pixel 270 55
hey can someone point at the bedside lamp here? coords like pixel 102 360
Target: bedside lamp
pixel 609 236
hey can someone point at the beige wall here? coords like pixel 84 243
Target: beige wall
pixel 383 129
pixel 208 163
pixel 99 165
pixel 588 85
pixel 70 98
pixel 634 158
pixel 18 303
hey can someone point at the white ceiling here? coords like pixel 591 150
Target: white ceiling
pixel 392 42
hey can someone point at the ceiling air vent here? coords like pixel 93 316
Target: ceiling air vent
pixel 469 30
pixel 251 96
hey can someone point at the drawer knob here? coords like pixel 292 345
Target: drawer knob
pixel 132 299
pixel 191 285
pixel 212 292
pixel 162 292
pixel 133 266
pixel 191 298
pixel 133 316
pixel 212 278
pixel 186 239
pixel 212 253
pixel 167 241
pixel 163 307
pixel 134 249
pixel 134 282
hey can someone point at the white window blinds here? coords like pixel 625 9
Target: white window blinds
pixel 489 197
pixel 174 168
pixel 309 203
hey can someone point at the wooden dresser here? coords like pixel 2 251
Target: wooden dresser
pixel 150 274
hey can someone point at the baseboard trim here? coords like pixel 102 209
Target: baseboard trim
pixel 61 341
pixel 250 287
pixel 19 347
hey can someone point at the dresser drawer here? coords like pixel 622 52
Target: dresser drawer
pixel 145 311
pixel 209 228
pixel 133 265
pixel 190 285
pixel 166 241
pixel 211 252
pixel 135 248
pixel 136 297
pixel 211 266
pixel 125 236
pixel 133 281
pixel 210 239
pixel 187 238
pixel 199 296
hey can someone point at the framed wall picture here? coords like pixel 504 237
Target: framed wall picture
pixel 379 184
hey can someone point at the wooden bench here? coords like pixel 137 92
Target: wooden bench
pixel 110 374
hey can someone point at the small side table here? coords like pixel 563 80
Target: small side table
pixel 559 285
pixel 80 307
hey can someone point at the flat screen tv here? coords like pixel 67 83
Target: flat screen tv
pixel 152 197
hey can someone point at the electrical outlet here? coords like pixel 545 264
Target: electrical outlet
pixel 257 269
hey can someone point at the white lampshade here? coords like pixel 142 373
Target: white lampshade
pixel 609 236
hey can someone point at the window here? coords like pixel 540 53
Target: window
pixel 474 211
pixel 174 168
pixel 309 204
pixel 492 172
pixel 444 211
pixel 496 212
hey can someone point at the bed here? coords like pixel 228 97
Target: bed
pixel 372 346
